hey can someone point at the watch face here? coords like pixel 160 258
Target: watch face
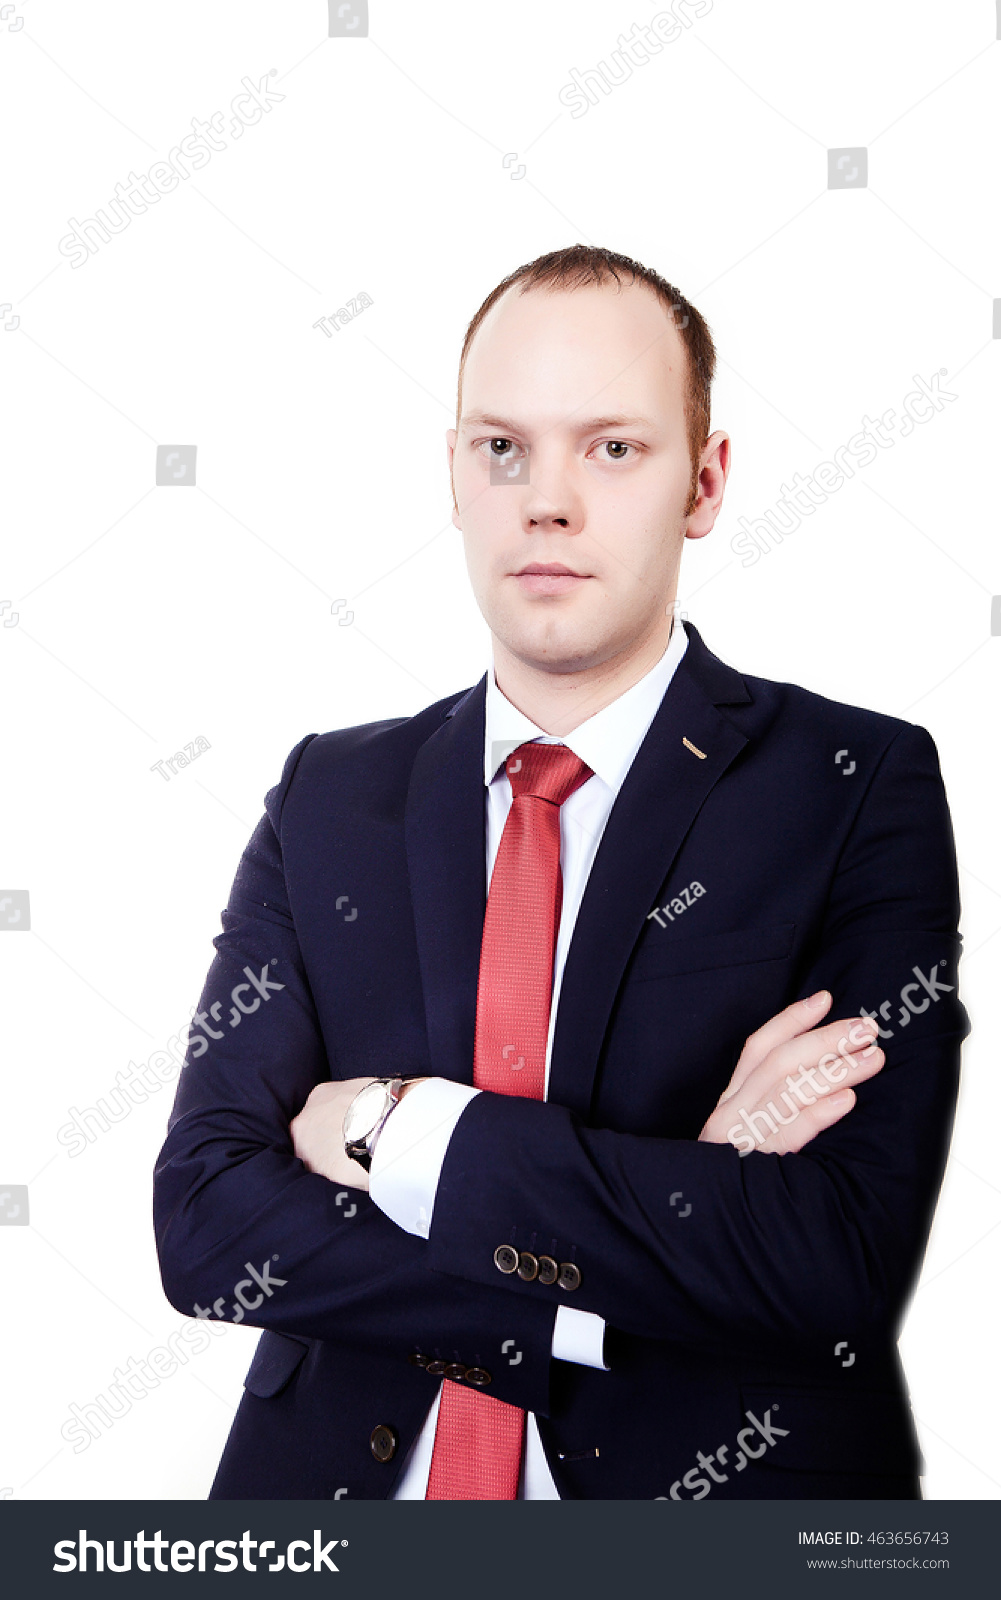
pixel 364 1112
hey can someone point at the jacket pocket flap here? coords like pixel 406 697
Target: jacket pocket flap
pixel 277 1357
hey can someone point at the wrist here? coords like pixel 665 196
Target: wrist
pixel 367 1115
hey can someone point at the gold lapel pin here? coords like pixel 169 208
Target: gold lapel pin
pixel 694 749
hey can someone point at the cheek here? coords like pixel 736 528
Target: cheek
pixel 638 504
pixel 490 520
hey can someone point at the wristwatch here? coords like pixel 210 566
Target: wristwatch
pixel 366 1117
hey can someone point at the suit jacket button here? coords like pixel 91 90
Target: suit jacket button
pixel 528 1266
pixel 456 1371
pixel 417 1359
pixel 548 1270
pixel 569 1276
pixel 506 1258
pixel 479 1377
pixel 383 1442
pixel 436 1368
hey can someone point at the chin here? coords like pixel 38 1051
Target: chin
pixel 554 636
pixel 562 650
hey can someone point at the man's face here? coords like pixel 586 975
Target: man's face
pixel 586 390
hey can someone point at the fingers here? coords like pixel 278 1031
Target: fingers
pixel 796 1019
pixel 846 1036
pixel 821 1056
pixel 801 1077
pixel 811 1121
pixel 780 1115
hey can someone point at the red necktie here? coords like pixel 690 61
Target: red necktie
pixel 479 1440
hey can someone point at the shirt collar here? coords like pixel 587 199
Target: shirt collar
pixel 607 742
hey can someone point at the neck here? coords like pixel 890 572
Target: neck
pixel 558 702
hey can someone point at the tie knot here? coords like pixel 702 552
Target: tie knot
pixel 546 771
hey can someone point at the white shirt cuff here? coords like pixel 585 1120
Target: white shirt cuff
pixel 580 1336
pixel 410 1152
pixel 403 1182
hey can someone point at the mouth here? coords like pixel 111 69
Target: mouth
pixel 549 577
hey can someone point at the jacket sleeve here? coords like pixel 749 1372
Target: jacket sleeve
pixel 775 1249
pixel 243 1230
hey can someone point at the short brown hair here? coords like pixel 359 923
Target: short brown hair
pixel 581 265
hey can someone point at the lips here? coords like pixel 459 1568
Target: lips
pixel 551 569
pixel 549 577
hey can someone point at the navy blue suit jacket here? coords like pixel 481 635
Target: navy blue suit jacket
pixel 734 1288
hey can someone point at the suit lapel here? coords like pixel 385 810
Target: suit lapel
pixel 446 857
pixel 660 798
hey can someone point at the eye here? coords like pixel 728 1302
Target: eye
pixel 616 447
pixel 499 449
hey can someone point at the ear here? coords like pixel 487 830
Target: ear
pixel 450 440
pixel 714 468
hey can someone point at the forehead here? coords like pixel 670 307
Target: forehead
pixel 547 353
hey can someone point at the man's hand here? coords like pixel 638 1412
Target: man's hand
pixel 318 1132
pixel 794 1079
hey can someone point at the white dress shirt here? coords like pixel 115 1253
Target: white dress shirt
pixel 410 1151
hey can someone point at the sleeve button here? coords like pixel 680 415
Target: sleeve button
pixel 528 1266
pixel 548 1270
pixel 506 1258
pixel 569 1278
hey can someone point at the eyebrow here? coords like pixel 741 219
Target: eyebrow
pixel 506 425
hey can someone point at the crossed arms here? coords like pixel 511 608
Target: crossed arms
pixel 786 1249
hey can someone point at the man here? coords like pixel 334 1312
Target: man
pixel 642 1218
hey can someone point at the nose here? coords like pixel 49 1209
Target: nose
pixel 552 501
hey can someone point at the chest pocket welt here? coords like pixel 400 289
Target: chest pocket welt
pixel 664 952
pixel 277 1357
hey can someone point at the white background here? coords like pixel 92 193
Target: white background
pixel 147 617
